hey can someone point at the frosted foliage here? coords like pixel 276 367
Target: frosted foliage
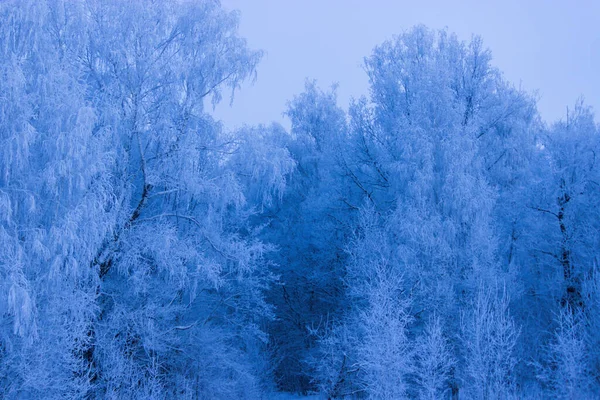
pixel 124 268
pixel 568 374
pixel 434 361
pixel 457 189
pixel 436 240
pixel 489 335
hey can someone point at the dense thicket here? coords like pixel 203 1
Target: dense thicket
pixel 436 240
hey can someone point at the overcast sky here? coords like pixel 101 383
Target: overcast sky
pixel 550 46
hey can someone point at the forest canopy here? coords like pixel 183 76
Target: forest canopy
pixel 434 239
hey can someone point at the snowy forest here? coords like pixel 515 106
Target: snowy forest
pixel 434 239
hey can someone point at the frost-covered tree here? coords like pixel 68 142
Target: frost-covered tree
pixel 127 267
pixel 434 362
pixel 381 313
pixel 565 203
pixel 417 157
pixel 567 371
pixel 489 338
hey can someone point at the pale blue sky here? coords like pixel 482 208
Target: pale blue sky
pixel 549 46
